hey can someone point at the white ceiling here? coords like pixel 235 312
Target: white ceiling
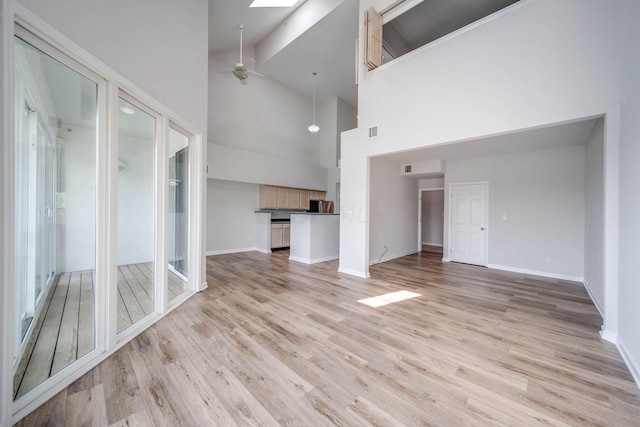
pixel 327 48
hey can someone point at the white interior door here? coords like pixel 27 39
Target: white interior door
pixel 468 228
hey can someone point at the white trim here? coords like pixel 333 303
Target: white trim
pixel 608 336
pixel 431 189
pixel 633 368
pixel 393 256
pixel 446 259
pixel 232 251
pixel 353 273
pixel 203 286
pixel 7 173
pixel 314 260
pixel 537 273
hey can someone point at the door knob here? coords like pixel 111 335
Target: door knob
pixel 481 228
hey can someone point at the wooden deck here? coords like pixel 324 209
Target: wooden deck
pixel 65 331
pixel 274 342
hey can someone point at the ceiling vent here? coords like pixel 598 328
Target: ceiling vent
pixel 407 168
pixel 373 132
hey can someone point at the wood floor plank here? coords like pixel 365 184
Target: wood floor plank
pixel 87 408
pixel 44 348
pixel 274 342
pixel 67 343
pixel 86 320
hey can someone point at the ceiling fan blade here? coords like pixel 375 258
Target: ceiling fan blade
pixel 256 74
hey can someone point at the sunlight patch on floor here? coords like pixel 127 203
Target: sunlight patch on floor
pixel 389 298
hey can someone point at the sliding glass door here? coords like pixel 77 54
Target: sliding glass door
pixel 136 212
pixel 55 211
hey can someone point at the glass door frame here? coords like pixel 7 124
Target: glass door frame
pixel 23 31
pixel 160 275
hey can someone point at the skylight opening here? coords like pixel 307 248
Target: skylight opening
pixel 273 3
pixel 389 298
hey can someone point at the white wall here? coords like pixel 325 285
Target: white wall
pixel 76 237
pixel 542 193
pixel 337 117
pixel 230 216
pixel 394 212
pixel 136 204
pixel 629 291
pixel 432 217
pixel 536 63
pixel 594 216
pixel 262 116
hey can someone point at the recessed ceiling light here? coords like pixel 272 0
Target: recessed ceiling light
pixel 273 3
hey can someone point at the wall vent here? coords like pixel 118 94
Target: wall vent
pixel 373 132
pixel 407 168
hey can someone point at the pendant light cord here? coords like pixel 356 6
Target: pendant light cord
pixel 314 98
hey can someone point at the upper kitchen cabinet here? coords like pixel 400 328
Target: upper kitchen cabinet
pixel 294 198
pixel 272 197
pixel 268 197
pixel 283 198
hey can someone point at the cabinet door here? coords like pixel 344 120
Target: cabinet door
pixel 276 235
pixel 322 195
pixel 294 198
pixel 304 199
pixel 286 235
pixel 268 197
pixel 283 198
pixel 313 195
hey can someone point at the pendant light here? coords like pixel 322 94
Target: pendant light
pixel 314 128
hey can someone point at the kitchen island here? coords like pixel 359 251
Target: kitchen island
pixel 315 237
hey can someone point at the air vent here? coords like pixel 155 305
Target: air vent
pixel 407 168
pixel 373 131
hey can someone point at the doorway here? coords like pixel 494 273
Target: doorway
pixel 431 220
pixel 468 223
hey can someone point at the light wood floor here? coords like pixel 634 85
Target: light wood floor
pixel 274 342
pixel 64 332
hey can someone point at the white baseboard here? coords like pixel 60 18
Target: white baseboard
pixel 595 302
pixel 633 367
pixel 432 244
pixel 231 251
pixel 203 286
pixel 392 256
pixel 609 336
pixel 446 259
pixel 351 272
pixel 537 273
pixel 313 261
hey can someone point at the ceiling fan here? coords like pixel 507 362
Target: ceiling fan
pixel 240 70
